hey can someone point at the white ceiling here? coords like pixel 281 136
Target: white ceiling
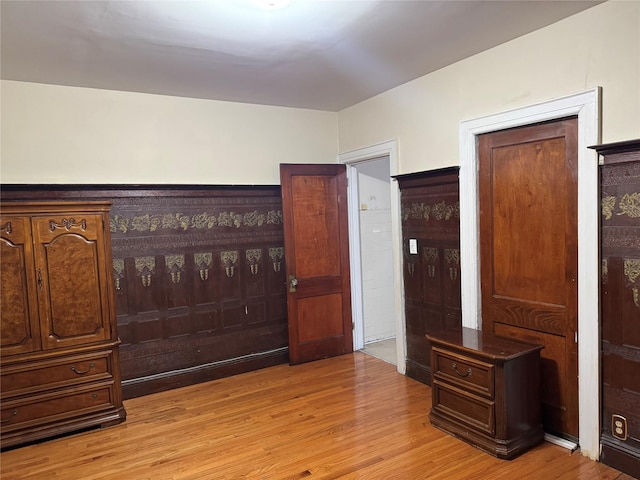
pixel 317 54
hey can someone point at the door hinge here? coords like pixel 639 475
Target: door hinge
pixel 353 325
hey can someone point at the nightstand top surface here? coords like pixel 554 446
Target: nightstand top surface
pixel 477 342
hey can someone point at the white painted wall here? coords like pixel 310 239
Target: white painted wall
pixel 597 47
pixel 376 250
pixel 56 134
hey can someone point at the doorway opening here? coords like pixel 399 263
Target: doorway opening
pixel 374 225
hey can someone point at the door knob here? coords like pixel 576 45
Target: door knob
pixel 293 283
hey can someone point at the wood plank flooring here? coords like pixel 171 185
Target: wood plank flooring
pixel 349 417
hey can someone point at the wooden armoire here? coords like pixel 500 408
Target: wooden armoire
pixel 620 304
pixel 430 209
pixel 59 347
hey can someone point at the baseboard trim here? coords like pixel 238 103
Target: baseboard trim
pixel 140 386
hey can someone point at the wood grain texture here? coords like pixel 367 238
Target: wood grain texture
pixel 316 238
pixel 346 417
pixel 529 255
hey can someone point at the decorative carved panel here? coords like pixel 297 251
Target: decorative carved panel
pixel 431 246
pixel 620 305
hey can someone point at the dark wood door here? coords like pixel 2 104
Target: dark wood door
pixel 314 207
pixel 19 332
pixel 73 291
pixel 528 253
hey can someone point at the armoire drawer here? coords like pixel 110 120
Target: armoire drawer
pixel 57 406
pixel 462 407
pixel 22 379
pixel 465 372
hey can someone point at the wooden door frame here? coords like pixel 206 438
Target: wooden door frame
pixel 586 106
pixel 351 159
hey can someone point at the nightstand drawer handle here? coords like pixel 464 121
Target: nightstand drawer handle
pixel 81 372
pixel 455 367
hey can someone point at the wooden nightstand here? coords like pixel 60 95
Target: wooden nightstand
pixel 486 390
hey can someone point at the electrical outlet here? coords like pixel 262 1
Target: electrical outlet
pixel 619 427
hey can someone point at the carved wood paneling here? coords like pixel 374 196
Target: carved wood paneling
pixel 430 210
pixel 199 279
pixel 620 305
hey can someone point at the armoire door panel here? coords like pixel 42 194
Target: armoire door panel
pixel 20 331
pixel 72 289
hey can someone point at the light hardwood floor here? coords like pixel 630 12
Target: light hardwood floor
pixel 342 418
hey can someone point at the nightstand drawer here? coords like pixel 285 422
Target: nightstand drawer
pixel 468 374
pixel 464 408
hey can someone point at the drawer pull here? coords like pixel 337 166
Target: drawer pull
pixel 13 414
pixel 465 374
pixel 80 372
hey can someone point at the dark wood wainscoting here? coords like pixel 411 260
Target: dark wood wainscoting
pixel 620 305
pixel 430 206
pixel 199 278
